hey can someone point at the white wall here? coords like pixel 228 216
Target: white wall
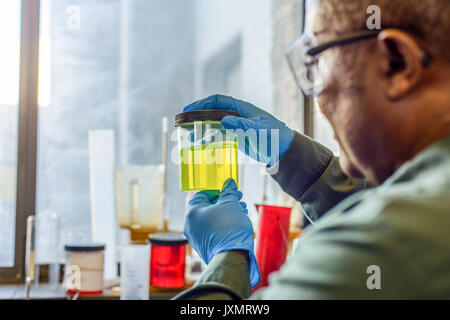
pixel 218 22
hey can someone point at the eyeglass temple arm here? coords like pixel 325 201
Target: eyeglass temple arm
pixel 427 58
pixel 350 38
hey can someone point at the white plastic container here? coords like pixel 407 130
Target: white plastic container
pixel 134 272
pixel 84 267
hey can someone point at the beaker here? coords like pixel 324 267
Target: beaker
pixel 208 152
pixel 272 239
pixel 134 272
pixel 168 260
pixel 139 195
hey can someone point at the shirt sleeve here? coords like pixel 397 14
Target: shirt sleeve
pixel 344 261
pixel 311 174
pixel 382 247
pixel 226 278
pixel 308 172
pixel 342 257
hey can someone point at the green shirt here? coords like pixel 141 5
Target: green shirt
pixel 401 227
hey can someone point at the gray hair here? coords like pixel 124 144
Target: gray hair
pixel 427 20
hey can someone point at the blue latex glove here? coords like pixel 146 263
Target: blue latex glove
pixel 219 222
pixel 251 118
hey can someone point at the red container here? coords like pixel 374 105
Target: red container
pixel 168 260
pixel 272 240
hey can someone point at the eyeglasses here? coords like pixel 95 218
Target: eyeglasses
pixel 303 56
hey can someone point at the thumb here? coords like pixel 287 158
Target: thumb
pixel 230 192
pixel 203 199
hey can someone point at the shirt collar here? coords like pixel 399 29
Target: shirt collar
pixel 436 155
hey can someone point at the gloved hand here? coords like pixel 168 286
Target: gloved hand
pixel 218 222
pixel 251 118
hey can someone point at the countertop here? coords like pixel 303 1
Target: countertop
pixel 47 292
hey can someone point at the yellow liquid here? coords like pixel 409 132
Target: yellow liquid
pixel 207 167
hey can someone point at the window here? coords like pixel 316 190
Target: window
pixel 122 65
pixel 323 132
pixel 116 65
pixel 10 12
pixel 222 73
pixel 18 102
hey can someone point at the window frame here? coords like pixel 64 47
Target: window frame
pixel 308 103
pixel 27 135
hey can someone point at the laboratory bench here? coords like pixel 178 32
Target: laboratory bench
pixel 46 292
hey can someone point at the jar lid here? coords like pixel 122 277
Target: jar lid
pixel 82 247
pixel 167 239
pixel 203 115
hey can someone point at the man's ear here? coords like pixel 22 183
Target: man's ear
pixel 400 62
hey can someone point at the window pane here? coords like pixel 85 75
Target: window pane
pixel 120 65
pixel 9 97
pixel 123 65
pixel 323 132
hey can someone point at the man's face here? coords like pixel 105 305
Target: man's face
pixel 344 100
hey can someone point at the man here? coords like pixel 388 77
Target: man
pixel 383 207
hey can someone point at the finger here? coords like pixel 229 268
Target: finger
pixel 214 102
pixel 231 122
pixel 203 198
pixel 229 185
pixel 229 192
pixel 192 136
pixel 213 195
pixel 244 206
pixel 189 106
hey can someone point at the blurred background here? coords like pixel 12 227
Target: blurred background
pixel 124 65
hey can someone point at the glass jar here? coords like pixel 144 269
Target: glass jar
pixel 84 267
pixel 168 260
pixel 272 240
pixel 208 152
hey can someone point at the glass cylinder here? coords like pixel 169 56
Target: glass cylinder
pixel 48 246
pixel 168 260
pixel 208 152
